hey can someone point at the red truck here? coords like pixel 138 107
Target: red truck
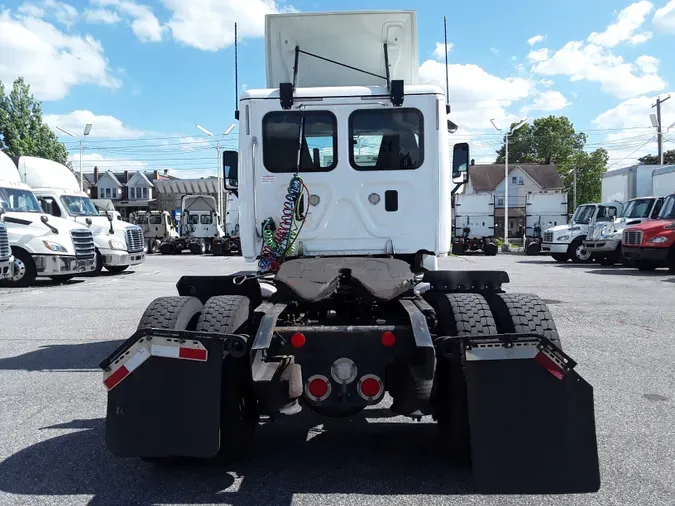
pixel 651 244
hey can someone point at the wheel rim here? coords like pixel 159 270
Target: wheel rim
pixel 582 253
pixel 19 270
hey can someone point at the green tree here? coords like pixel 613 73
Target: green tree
pixel 589 167
pixel 22 131
pixel 668 158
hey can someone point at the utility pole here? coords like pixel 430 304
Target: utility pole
pixel 575 186
pixel 659 137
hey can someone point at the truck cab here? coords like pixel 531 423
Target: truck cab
pixel 41 245
pixel 651 244
pixel 119 245
pixel 566 242
pixel 604 240
pixel 157 226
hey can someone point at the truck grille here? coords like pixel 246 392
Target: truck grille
pixel 632 237
pixel 5 250
pixel 548 236
pixel 134 239
pixel 84 244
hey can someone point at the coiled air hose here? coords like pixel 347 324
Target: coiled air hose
pixel 279 242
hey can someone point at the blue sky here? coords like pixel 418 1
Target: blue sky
pixel 145 72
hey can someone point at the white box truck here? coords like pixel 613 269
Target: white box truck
pixel 663 181
pixel 42 245
pixel 119 245
pixel 621 185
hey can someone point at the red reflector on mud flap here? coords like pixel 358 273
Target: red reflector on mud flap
pixel 547 363
pixel 116 377
pixel 192 354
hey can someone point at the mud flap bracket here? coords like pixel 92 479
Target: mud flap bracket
pixel 531 418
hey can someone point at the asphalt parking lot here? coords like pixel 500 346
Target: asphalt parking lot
pixel 617 324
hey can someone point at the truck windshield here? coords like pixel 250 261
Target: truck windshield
pixel 668 209
pixel 79 206
pixel 19 201
pixel 583 215
pixel 638 208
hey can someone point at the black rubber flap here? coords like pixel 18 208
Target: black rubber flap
pixel 531 433
pixel 168 408
pixel 315 279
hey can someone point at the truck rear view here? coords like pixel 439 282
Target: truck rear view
pixel 345 219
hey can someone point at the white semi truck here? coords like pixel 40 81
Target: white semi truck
pixel 543 210
pixel 6 258
pixel 158 226
pixel 566 242
pixel 347 298
pixel 199 226
pixel 474 224
pixel 119 245
pixel 41 245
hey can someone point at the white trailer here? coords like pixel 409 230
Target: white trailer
pixel 543 210
pixel 119 245
pixel 41 245
pixel 663 181
pixel 474 223
pixel 631 182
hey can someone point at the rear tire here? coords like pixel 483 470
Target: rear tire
pixel 460 314
pixel 523 313
pixel 25 271
pixel 239 414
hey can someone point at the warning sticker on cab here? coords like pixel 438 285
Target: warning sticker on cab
pixel 268 178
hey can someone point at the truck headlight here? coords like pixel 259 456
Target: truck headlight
pixel 615 235
pixel 563 238
pixel 52 246
pixel 658 240
pixel 116 244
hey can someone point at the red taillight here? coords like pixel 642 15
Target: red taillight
pixel 388 339
pixel 318 388
pixel 370 387
pixel 298 340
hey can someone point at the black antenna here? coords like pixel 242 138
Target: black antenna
pixel 447 85
pixel 236 77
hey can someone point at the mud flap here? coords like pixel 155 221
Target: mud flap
pixel 531 418
pixel 164 394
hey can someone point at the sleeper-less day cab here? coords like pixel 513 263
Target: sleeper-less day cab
pixel 344 183
pixel 119 245
pixel 41 245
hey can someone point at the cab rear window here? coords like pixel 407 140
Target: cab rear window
pixel 386 139
pixel 281 140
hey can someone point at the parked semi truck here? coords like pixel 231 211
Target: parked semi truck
pixel 604 242
pixel 651 244
pixel 41 245
pixel 157 226
pixel 543 210
pixel 6 258
pixel 474 224
pixel 119 245
pixel 348 297
pixel 230 243
pixel 566 242
pixel 199 226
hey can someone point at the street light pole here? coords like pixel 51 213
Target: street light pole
pixel 87 130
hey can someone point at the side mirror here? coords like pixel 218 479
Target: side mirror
pixel 452 127
pixel 2 212
pixel 110 218
pixel 44 219
pixel 231 169
pixel 460 162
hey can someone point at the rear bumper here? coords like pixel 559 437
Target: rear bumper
pixel 638 253
pixel 120 258
pixel 605 246
pixel 56 265
pixel 554 247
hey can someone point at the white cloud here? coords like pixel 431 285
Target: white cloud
pixel 439 52
pixel 648 64
pixel 537 38
pixel 144 23
pixel 494 50
pixel 209 24
pixel 664 18
pixel 537 55
pixel 104 163
pixel 101 16
pixel 547 101
pixel 634 113
pixel 103 126
pixel 475 95
pixel 62 12
pixel 629 20
pixel 591 62
pixel 50 60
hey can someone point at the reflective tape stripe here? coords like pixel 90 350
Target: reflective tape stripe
pixel 113 380
pixel 193 354
pixel 500 352
pixel 547 362
pixel 141 356
pixel 158 350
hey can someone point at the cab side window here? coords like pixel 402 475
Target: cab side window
pixel 657 208
pixel 49 206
